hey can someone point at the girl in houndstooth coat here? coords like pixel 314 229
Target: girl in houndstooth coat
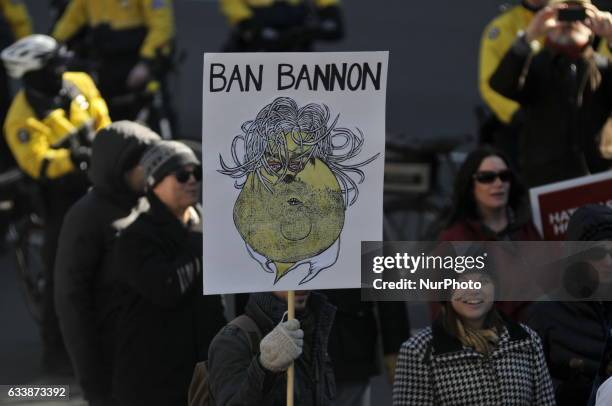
pixel 473 356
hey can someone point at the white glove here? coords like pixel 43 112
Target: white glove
pixel 138 76
pixel 281 346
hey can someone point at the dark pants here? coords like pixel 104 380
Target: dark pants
pixel 59 196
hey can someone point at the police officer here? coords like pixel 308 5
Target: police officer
pixel 281 25
pixel 131 41
pixel 14 24
pixel 49 128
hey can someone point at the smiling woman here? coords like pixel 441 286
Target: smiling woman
pixel 473 355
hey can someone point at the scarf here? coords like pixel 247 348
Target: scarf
pixel 481 340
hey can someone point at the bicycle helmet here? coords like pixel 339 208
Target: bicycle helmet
pixel 28 54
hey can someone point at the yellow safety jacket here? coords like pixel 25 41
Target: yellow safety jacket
pixel 240 10
pixel 38 144
pixel 496 40
pixel 125 18
pixel 16 15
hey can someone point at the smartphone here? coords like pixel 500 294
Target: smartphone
pixel 571 14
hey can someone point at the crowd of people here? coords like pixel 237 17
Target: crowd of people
pixel 123 249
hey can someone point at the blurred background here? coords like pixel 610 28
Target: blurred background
pixel 432 93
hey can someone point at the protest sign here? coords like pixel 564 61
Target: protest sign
pixel 552 205
pixel 293 162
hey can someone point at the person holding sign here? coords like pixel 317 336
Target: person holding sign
pixel 247 368
pixel 565 90
pixel 165 324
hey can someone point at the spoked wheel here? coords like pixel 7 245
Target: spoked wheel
pixel 26 237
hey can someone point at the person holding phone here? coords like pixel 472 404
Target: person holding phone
pixel 565 90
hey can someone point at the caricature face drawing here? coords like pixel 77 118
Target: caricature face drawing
pixel 295 186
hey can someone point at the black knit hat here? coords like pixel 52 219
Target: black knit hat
pixel 164 158
pixel 592 222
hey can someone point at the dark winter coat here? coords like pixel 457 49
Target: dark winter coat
pixel 354 340
pixel 166 324
pixel 237 378
pixel 563 114
pixel 83 266
pixel 576 330
pixel 434 368
pixel 571 330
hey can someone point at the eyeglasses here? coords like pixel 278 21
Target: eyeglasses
pixel 490 176
pixel 597 253
pixel 183 175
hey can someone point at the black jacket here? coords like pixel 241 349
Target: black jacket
pixel 237 377
pixel 563 114
pixel 358 326
pixel 166 324
pixel 83 266
pixel 575 330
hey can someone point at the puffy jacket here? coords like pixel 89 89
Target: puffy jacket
pixel 84 278
pixel 237 377
pixel 435 369
pixel 39 138
pixel 165 323
pixel 144 27
pixel 496 39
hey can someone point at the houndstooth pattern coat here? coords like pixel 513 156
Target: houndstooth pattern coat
pixel 435 369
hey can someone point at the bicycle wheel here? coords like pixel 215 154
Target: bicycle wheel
pixel 26 237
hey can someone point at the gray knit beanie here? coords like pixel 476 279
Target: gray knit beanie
pixel 165 157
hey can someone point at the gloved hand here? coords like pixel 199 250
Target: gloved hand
pixel 138 76
pixel 81 157
pixel 281 346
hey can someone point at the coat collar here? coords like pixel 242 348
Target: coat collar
pixel 444 343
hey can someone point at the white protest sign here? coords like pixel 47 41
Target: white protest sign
pixel 293 163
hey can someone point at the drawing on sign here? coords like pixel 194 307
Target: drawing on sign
pixel 295 172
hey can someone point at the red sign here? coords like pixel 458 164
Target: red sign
pixel 552 205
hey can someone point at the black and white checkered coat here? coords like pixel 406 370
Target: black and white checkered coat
pixel 435 369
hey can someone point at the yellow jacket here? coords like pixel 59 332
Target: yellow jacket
pixel 35 141
pixel 154 15
pixel 496 40
pixel 17 16
pixel 240 10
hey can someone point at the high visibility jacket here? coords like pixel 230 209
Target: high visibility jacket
pixel 240 10
pixel 496 40
pixel 16 15
pixel 145 25
pixel 38 144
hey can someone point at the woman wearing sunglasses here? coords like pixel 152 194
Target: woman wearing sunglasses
pixel 472 355
pixel 165 324
pixel 489 202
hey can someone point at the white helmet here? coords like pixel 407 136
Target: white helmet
pixel 28 54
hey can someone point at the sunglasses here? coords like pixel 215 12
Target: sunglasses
pixel 490 176
pixel 183 175
pixel 597 253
